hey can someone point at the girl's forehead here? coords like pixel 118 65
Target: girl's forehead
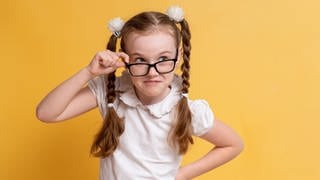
pixel 155 41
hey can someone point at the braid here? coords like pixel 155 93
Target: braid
pixel 186 45
pixel 182 132
pixel 111 76
pixel 111 94
pixel 107 139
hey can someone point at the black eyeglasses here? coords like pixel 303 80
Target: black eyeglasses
pixel 162 67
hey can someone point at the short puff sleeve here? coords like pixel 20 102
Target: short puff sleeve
pixel 98 88
pixel 202 117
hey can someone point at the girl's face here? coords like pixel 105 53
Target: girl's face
pixel 151 48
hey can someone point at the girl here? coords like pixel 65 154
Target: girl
pixel 149 120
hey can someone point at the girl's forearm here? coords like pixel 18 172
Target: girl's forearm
pixel 215 158
pixel 59 98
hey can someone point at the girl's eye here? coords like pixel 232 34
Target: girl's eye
pixel 162 58
pixel 139 60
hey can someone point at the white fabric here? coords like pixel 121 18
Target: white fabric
pixel 143 152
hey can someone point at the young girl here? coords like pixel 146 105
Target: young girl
pixel 149 120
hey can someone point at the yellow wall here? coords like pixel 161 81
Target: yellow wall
pixel 256 62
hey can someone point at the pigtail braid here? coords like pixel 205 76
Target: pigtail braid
pixel 186 45
pixel 107 139
pixel 182 132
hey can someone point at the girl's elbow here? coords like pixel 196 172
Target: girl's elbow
pixel 239 146
pixel 43 116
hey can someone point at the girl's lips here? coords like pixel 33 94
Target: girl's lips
pixel 151 82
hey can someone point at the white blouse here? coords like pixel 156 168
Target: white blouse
pixel 143 151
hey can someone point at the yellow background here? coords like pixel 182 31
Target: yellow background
pixel 256 62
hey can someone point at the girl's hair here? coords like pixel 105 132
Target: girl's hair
pixel 107 139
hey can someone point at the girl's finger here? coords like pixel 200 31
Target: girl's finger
pixel 123 56
pixel 113 62
pixel 105 60
pixel 113 55
pixel 120 64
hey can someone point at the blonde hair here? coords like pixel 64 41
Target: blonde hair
pixel 107 139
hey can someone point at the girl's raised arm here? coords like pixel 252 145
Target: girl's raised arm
pixel 71 98
pixel 68 99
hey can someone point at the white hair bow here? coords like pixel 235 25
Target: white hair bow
pixel 175 13
pixel 115 25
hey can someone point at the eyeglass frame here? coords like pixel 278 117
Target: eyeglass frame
pixel 153 65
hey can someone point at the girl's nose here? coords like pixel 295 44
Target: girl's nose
pixel 153 71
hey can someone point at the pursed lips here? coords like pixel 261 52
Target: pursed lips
pixel 152 81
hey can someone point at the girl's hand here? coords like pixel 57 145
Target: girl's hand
pixel 107 61
pixel 181 176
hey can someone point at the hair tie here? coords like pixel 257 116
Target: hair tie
pixel 175 13
pixel 185 95
pixel 115 25
pixel 110 105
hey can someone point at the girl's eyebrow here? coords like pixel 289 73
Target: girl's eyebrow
pixel 135 54
pixel 166 52
pixel 139 54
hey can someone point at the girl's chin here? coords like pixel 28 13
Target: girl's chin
pixel 151 94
